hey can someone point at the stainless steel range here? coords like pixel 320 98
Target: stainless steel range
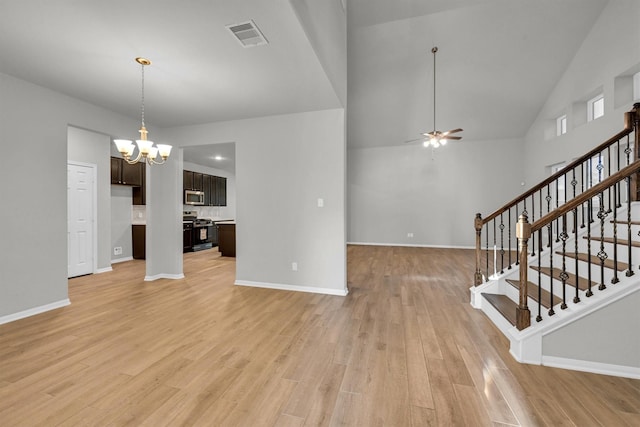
pixel 198 233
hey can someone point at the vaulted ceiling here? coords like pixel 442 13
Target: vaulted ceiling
pixel 497 61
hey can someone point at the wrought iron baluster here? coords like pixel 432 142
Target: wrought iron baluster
pixel 509 238
pixel 549 199
pixel 487 249
pixel 495 261
pixel 602 214
pixel 557 205
pixel 517 216
pixel 618 184
pixel 609 174
pixel 629 272
pixel 576 298
pixel 539 316
pixel 590 281
pixel 550 231
pixel 501 245
pixel 615 279
pixel 563 274
pixel 533 214
pixel 582 191
pixel 628 150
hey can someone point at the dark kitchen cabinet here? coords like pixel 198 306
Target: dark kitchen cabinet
pixel 139 194
pixel 192 180
pixel 187 180
pixel 221 191
pixel 206 185
pixel 125 174
pixel 227 239
pixel 214 187
pixel 138 235
pixel 187 236
pixel 122 173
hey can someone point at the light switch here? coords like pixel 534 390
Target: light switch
pixel 321 203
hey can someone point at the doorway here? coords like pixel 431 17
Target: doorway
pixel 81 219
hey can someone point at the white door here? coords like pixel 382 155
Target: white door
pixel 80 219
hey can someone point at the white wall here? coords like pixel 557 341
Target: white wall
pixel 215 212
pixel 34 120
pixel 435 194
pixel 325 24
pixel 121 205
pixel 92 147
pixel 283 165
pixel 607 58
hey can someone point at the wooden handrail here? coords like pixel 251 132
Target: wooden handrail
pixel 586 195
pixel 629 120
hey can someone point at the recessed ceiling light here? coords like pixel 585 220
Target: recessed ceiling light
pixel 218 157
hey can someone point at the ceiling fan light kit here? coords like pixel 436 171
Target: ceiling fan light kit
pixel 436 138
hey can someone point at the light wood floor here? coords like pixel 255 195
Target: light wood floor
pixel 404 348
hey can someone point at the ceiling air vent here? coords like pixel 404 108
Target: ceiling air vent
pixel 248 34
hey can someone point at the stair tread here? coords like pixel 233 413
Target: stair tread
pixel 610 240
pixel 595 260
pixel 532 291
pixel 555 274
pixel 504 305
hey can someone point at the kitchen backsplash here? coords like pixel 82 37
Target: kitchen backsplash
pixel 214 212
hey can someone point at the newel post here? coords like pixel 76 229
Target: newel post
pixel 477 279
pixel 523 233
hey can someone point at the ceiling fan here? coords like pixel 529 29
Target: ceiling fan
pixel 436 138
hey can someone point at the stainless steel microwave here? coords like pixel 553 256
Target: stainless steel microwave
pixel 192 197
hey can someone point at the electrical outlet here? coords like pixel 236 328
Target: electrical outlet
pixel 117 250
pixel 410 235
pixel 294 266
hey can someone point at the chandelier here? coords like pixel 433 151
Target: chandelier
pixel 146 150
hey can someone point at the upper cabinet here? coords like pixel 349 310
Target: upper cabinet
pixel 126 174
pixel 123 173
pixel 214 187
pixel 192 180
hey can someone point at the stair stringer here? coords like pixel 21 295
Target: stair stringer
pixel 526 346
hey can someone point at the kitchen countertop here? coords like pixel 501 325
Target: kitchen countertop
pixel 227 222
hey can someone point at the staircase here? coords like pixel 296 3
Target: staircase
pixel 565 287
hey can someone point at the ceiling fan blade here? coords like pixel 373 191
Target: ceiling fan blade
pixel 449 132
pixel 431 135
pixel 455 138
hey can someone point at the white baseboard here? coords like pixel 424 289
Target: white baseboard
pixel 33 311
pixel 104 270
pixel 117 260
pixel 310 289
pixel 593 367
pixel 163 276
pixel 410 245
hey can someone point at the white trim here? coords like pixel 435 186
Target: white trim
pixel 593 367
pixel 104 270
pixel 33 311
pixel 117 260
pixel 163 276
pixel 281 287
pixel 94 219
pixel 410 245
